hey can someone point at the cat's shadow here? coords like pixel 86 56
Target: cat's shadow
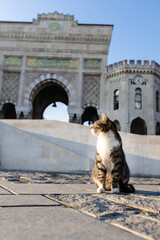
pixel 142 193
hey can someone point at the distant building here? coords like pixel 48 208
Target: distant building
pixel 54 58
pixel 132 96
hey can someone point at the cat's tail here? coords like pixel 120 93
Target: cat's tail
pixel 126 188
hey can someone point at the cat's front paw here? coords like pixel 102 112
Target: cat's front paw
pixel 115 190
pixel 100 190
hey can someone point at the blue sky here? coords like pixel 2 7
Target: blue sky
pixel 136 33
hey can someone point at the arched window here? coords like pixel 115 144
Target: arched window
pixel 116 99
pixel 157 101
pixel 138 98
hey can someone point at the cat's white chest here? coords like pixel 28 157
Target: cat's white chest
pixel 105 144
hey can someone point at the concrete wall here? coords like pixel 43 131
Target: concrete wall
pixel 142 153
pixel 56 146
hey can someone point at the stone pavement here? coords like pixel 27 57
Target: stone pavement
pixel 36 205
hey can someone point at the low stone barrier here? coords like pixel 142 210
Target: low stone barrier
pixel 44 145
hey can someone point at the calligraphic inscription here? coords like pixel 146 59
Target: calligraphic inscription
pixel 92 64
pixel 52 63
pixel 13 61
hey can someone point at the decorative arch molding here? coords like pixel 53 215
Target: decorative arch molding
pixel 90 105
pixel 33 86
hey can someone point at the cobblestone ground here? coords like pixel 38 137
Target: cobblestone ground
pixel 41 178
pixel 138 213
pixel 63 178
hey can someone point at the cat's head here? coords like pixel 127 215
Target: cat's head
pixel 103 125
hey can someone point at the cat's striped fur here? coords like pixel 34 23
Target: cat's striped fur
pixel 110 171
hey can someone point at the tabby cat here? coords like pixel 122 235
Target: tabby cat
pixel 110 171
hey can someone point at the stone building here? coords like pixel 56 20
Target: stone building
pixel 132 96
pixel 56 59
pixel 53 58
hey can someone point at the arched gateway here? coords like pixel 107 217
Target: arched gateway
pixel 53 58
pixel 47 89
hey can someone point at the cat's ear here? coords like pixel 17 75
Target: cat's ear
pixel 104 117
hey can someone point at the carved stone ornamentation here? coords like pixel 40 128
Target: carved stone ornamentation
pixel 71 77
pixel 31 76
pixel 91 90
pixel 10 86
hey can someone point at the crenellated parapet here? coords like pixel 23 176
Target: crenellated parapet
pixel 133 66
pixel 53 16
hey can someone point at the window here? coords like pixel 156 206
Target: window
pixel 116 99
pixel 157 101
pixel 138 99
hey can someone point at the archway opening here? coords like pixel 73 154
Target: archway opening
pixel 116 122
pixel 48 94
pixel 8 111
pixel 56 111
pixel 89 116
pixel 158 128
pixel 138 126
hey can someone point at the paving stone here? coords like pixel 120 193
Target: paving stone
pixel 4 191
pixel 122 210
pixel 56 223
pixel 145 180
pixel 138 224
pixel 48 188
pixel 25 200
pixel 23 217
pixel 147 201
pixel 147 187
pixel 92 204
pixel 41 178
pixel 61 178
pixel 140 202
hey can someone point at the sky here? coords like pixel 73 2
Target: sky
pixel 136 33
pixel 58 113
